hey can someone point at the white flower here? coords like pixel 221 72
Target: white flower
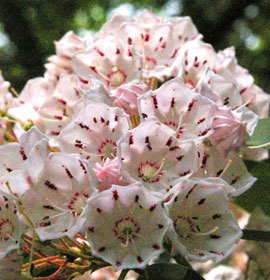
pixel 95 131
pixel 55 202
pixel 202 219
pixel 108 61
pixel 125 226
pixel 151 153
pixel 180 108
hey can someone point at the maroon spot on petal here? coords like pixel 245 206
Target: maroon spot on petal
pixel 156 246
pixel 58 117
pixel 201 254
pixel 144 115
pixel 62 101
pixel 242 90
pixel 45 224
pixel 204 132
pixel 226 101
pixel 146 37
pixel 216 216
pixel 204 160
pixel 68 172
pixel 24 157
pixel 190 105
pixel 117 51
pixel 175 199
pixel 179 158
pixel 116 118
pixel 107 122
pixel 99 210
pixel 160 226
pixel 153 207
pixel 115 195
pixel 137 198
pixel 83 80
pixel 219 172
pixel 118 263
pixel 201 201
pixel 55 133
pixel 129 41
pixel 235 180
pixel 139 259
pixel 201 120
pixel 194 218
pixel 154 98
pixel 169 142
pixel 184 173
pixel 214 236
pixel 83 167
pixel 83 126
pixel 174 148
pixel 95 120
pixel 130 140
pixel 102 249
pixel 99 52
pixel 91 229
pixel 102 120
pixel 93 68
pixel 9 169
pixel 198 228
pixel 174 53
pixel 191 190
pixel 50 185
pixel 49 207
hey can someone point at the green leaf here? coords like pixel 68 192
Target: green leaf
pixel 169 271
pixel 261 134
pixel 259 193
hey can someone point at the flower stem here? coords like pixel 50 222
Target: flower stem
pixel 256 235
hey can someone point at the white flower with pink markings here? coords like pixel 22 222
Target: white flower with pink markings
pixel 125 226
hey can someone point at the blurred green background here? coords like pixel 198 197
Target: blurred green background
pixel 28 29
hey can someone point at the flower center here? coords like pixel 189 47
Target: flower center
pixel 107 149
pixel 150 63
pixel 116 77
pixel 6 229
pixel 150 172
pixel 77 203
pixel 126 230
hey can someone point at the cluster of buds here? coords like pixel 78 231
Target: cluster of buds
pixel 130 140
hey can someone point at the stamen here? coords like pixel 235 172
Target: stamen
pixel 226 168
pixel 245 104
pixel 259 146
pixel 206 233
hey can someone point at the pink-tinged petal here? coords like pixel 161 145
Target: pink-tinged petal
pixel 132 224
pixel 95 132
pixel 232 128
pixel 37 91
pixel 126 96
pixel 69 44
pixel 24 113
pixel 60 196
pixel 180 108
pixel 231 169
pixel 108 174
pixel 202 219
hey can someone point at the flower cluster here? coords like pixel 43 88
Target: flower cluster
pixel 130 140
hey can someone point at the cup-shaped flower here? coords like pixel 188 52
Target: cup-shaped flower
pixel 152 154
pixel 125 225
pixel 95 132
pixel 180 108
pixel 202 219
pixel 56 201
